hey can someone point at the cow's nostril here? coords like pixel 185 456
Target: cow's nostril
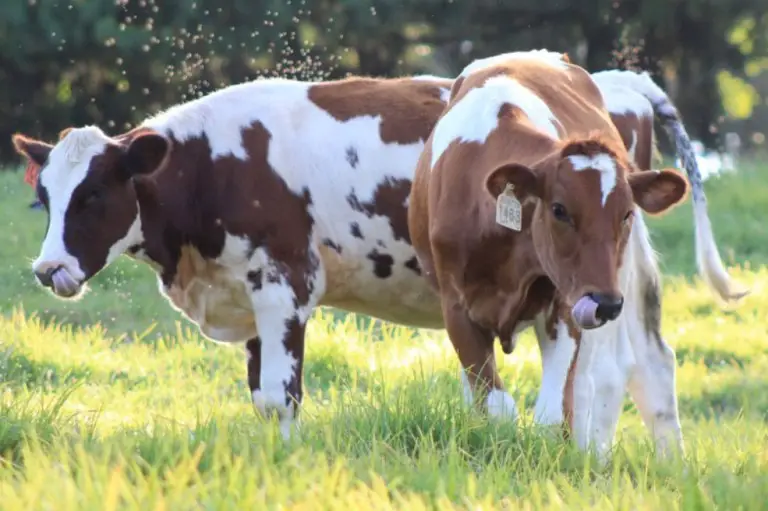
pixel 608 306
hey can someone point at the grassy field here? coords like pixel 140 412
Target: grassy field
pixel 114 403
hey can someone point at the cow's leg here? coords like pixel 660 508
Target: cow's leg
pixel 612 363
pixel 282 304
pixel 474 346
pixel 597 386
pixel 558 347
pixel 275 365
pixel 652 382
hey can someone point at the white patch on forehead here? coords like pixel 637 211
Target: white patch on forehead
pixel 66 168
pixel 552 58
pixel 476 115
pixel 602 163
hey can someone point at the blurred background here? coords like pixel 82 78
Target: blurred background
pixel 112 62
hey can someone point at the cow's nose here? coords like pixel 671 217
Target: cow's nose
pixel 608 306
pixel 45 274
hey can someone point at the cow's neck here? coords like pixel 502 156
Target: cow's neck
pixel 511 287
pixel 171 221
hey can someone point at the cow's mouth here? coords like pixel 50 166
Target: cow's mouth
pixel 585 314
pixel 62 283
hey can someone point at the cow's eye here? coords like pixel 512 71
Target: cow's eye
pixel 560 213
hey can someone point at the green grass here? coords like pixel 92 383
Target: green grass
pixel 101 410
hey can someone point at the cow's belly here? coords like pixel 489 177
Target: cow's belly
pixel 220 307
pixel 402 296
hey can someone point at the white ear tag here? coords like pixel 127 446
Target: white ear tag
pixel 509 211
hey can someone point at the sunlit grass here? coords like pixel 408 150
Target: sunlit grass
pixel 100 411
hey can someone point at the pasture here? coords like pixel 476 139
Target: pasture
pixel 114 402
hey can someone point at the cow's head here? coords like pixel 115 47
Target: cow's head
pixel 585 200
pixel 85 183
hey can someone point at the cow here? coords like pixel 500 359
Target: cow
pixel 522 212
pixel 326 225
pixel 254 205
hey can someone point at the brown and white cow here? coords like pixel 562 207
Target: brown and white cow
pixel 254 204
pixel 530 134
pixel 257 203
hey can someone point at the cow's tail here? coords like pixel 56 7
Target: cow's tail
pixel 710 265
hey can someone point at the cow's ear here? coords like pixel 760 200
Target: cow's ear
pixel 36 151
pixel 521 177
pixel 145 154
pixel 657 191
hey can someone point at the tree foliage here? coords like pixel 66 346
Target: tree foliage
pixel 112 62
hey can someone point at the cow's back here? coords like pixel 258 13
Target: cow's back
pixel 569 92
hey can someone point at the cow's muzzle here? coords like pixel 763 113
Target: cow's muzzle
pixel 59 280
pixel 593 310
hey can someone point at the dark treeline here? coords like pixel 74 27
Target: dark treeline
pixel 112 62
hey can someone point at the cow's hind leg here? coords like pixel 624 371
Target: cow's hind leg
pixel 474 346
pixel 652 383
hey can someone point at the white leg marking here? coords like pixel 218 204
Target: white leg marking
pixel 583 392
pixel 501 405
pixel 466 388
pixel 498 402
pixel 652 387
pixel 556 356
pixel 274 311
pixel 610 371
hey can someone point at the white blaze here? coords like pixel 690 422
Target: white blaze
pixel 603 164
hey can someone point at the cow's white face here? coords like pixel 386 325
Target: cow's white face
pixel 85 185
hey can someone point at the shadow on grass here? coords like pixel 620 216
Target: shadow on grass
pixel 19 371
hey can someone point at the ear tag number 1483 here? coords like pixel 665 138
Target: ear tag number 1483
pixel 509 211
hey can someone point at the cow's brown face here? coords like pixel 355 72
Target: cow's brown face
pixel 86 187
pixel 585 203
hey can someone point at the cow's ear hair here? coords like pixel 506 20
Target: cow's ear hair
pixel 657 191
pixel 145 154
pixel 36 151
pixel 521 177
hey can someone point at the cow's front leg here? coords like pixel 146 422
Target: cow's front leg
pixel 558 349
pixel 276 359
pixel 282 304
pixel 480 378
